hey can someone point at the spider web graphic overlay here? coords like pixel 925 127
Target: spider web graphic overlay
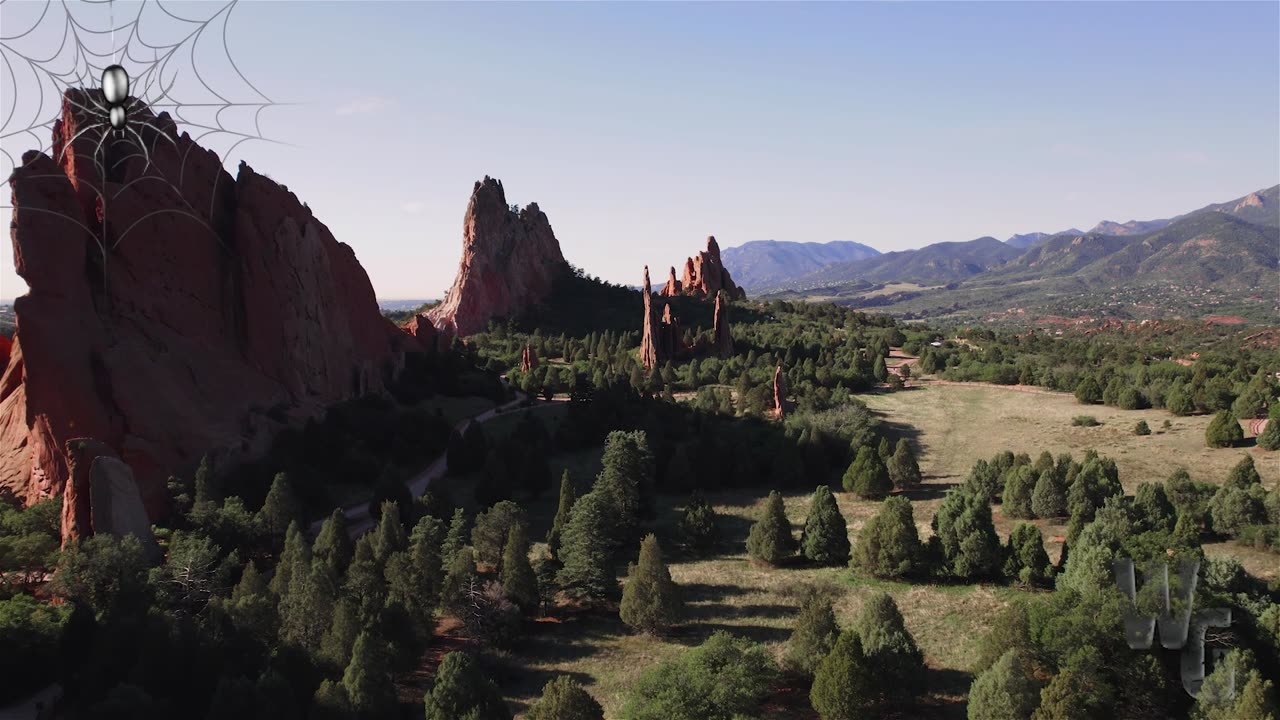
pixel 181 72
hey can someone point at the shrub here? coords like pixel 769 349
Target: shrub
pixel 462 689
pixel 650 600
pixel 1085 421
pixel 890 648
pixel 1269 438
pixel 903 468
pixel 1026 560
pixel 1003 691
pixel 867 476
pixel 1088 392
pixel 723 678
pixel 888 543
pixel 814 634
pixel 698 528
pixel 770 539
pixel 1142 428
pixel 564 699
pixel 1223 431
pixel 969 544
pixel 825 539
pixel 845 684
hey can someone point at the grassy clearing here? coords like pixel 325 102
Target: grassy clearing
pixel 955 425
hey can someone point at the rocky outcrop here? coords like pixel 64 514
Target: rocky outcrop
pixel 173 311
pixel 779 393
pixel 672 288
pixel 115 504
pixel 528 359
pixel 660 338
pixel 6 345
pixel 721 336
pixel 421 328
pixel 705 275
pixel 509 261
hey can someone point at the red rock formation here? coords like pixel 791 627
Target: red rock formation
pixel 509 261
pixel 779 393
pixel 672 288
pixel 705 274
pixel 421 327
pixel 167 321
pixel 5 346
pixel 528 359
pixel 77 521
pixel 722 337
pixel 669 341
pixel 649 354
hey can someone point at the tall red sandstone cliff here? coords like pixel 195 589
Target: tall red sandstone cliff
pixel 509 261
pixel 170 325
pixel 721 335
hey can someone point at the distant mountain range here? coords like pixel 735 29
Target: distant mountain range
pixel 1221 254
pixel 768 263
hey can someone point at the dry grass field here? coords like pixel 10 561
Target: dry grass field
pixel 952 426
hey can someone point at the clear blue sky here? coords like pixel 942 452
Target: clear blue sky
pixel 642 128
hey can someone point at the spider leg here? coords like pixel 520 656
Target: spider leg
pixel 142 145
pixel 69 143
pixel 158 131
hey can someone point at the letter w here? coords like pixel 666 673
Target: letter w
pixel 1139 629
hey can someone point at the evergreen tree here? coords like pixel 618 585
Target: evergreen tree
pixel 492 528
pixel 890 648
pixel 879 370
pixel 1049 498
pixel 1003 691
pixel 888 543
pixel 770 540
pixel 459 575
pixel 333 545
pixel 651 601
pixel 456 538
pixel 567 497
pixel 1142 428
pixel 1269 438
pixel 462 690
pixel 280 509
pixel 296 553
pixel 626 480
pixel 330 702
pixel 885 449
pixel 389 536
pixel 1152 510
pixel 564 699
pixel 903 468
pixel 698 528
pixel 825 539
pixel 1087 392
pixel 251 583
pixel 1243 475
pixel 970 546
pixel 518 579
pixel 845 684
pixel 1223 431
pixel 335 646
pixel 367 679
pixel 1026 561
pixel 1019 484
pixel 306 608
pixel 585 552
pixel 867 477
pixel 365 583
pixel 814 634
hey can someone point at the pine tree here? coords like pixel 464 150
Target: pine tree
pixel 296 553
pixel 567 497
pixel 456 538
pixel 1019 484
pixel 564 699
pixel 1003 691
pixel 967 536
pixel 426 566
pixel 330 702
pixel 879 370
pixel 493 526
pixel 1243 475
pixel 845 684
pixel 518 579
pixel 367 679
pixel 365 583
pixel 306 608
pixel 280 509
pixel 890 648
pixel 333 545
pixel 889 544
pixel 651 601
pixel 462 690
pixel 814 634
pixel 1087 392
pixel 867 477
pixel 698 528
pixel 885 449
pixel 389 536
pixel 585 552
pixel 903 468
pixel 1049 498
pixel 770 540
pixel 251 583
pixel 1223 431
pixel 1026 561
pixel 825 539
pixel 335 646
pixel 459 574
pixel 626 480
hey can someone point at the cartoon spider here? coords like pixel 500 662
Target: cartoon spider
pixel 114 114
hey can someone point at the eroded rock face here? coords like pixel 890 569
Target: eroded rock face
pixel 509 261
pixel 115 504
pixel 171 306
pixel 421 328
pixel 705 275
pixel 779 393
pixel 672 288
pixel 722 337
pixel 649 352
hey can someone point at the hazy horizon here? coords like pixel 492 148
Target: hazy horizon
pixel 642 128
